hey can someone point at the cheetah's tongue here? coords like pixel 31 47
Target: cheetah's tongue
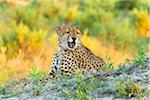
pixel 71 44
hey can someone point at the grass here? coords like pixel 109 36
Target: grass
pixel 2 90
pixel 128 88
pixel 109 66
pixel 33 75
pixel 139 58
pixel 37 88
pixel 79 87
pixel 82 88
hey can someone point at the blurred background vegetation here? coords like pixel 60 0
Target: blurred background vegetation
pixel 111 28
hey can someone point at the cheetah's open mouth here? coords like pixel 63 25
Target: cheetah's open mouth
pixel 71 44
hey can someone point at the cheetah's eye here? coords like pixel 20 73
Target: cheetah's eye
pixel 67 32
pixel 78 32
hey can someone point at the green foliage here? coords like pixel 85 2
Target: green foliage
pixel 2 90
pixel 128 88
pixel 82 89
pixel 139 58
pixel 122 68
pixel 125 4
pixel 131 4
pixel 20 37
pixel 3 5
pixel 100 17
pixel 36 76
pixel 108 66
pixel 37 88
pixel 27 16
pixel 88 16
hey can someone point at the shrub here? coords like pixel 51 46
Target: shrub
pixel 139 58
pixel 128 88
pixel 83 87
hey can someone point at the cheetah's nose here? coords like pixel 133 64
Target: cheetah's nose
pixel 73 38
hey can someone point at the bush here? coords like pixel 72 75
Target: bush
pixel 128 88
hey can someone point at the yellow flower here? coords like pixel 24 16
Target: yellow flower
pixel 143 23
pixel 72 13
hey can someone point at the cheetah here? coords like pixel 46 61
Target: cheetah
pixel 72 54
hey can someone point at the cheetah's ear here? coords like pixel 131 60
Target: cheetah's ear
pixel 58 29
pixel 78 29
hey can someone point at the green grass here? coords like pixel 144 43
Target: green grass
pixel 37 88
pixel 2 90
pixel 128 88
pixel 139 58
pixel 34 75
pixel 82 88
pixel 109 66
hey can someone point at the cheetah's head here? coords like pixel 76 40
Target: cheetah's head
pixel 68 37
